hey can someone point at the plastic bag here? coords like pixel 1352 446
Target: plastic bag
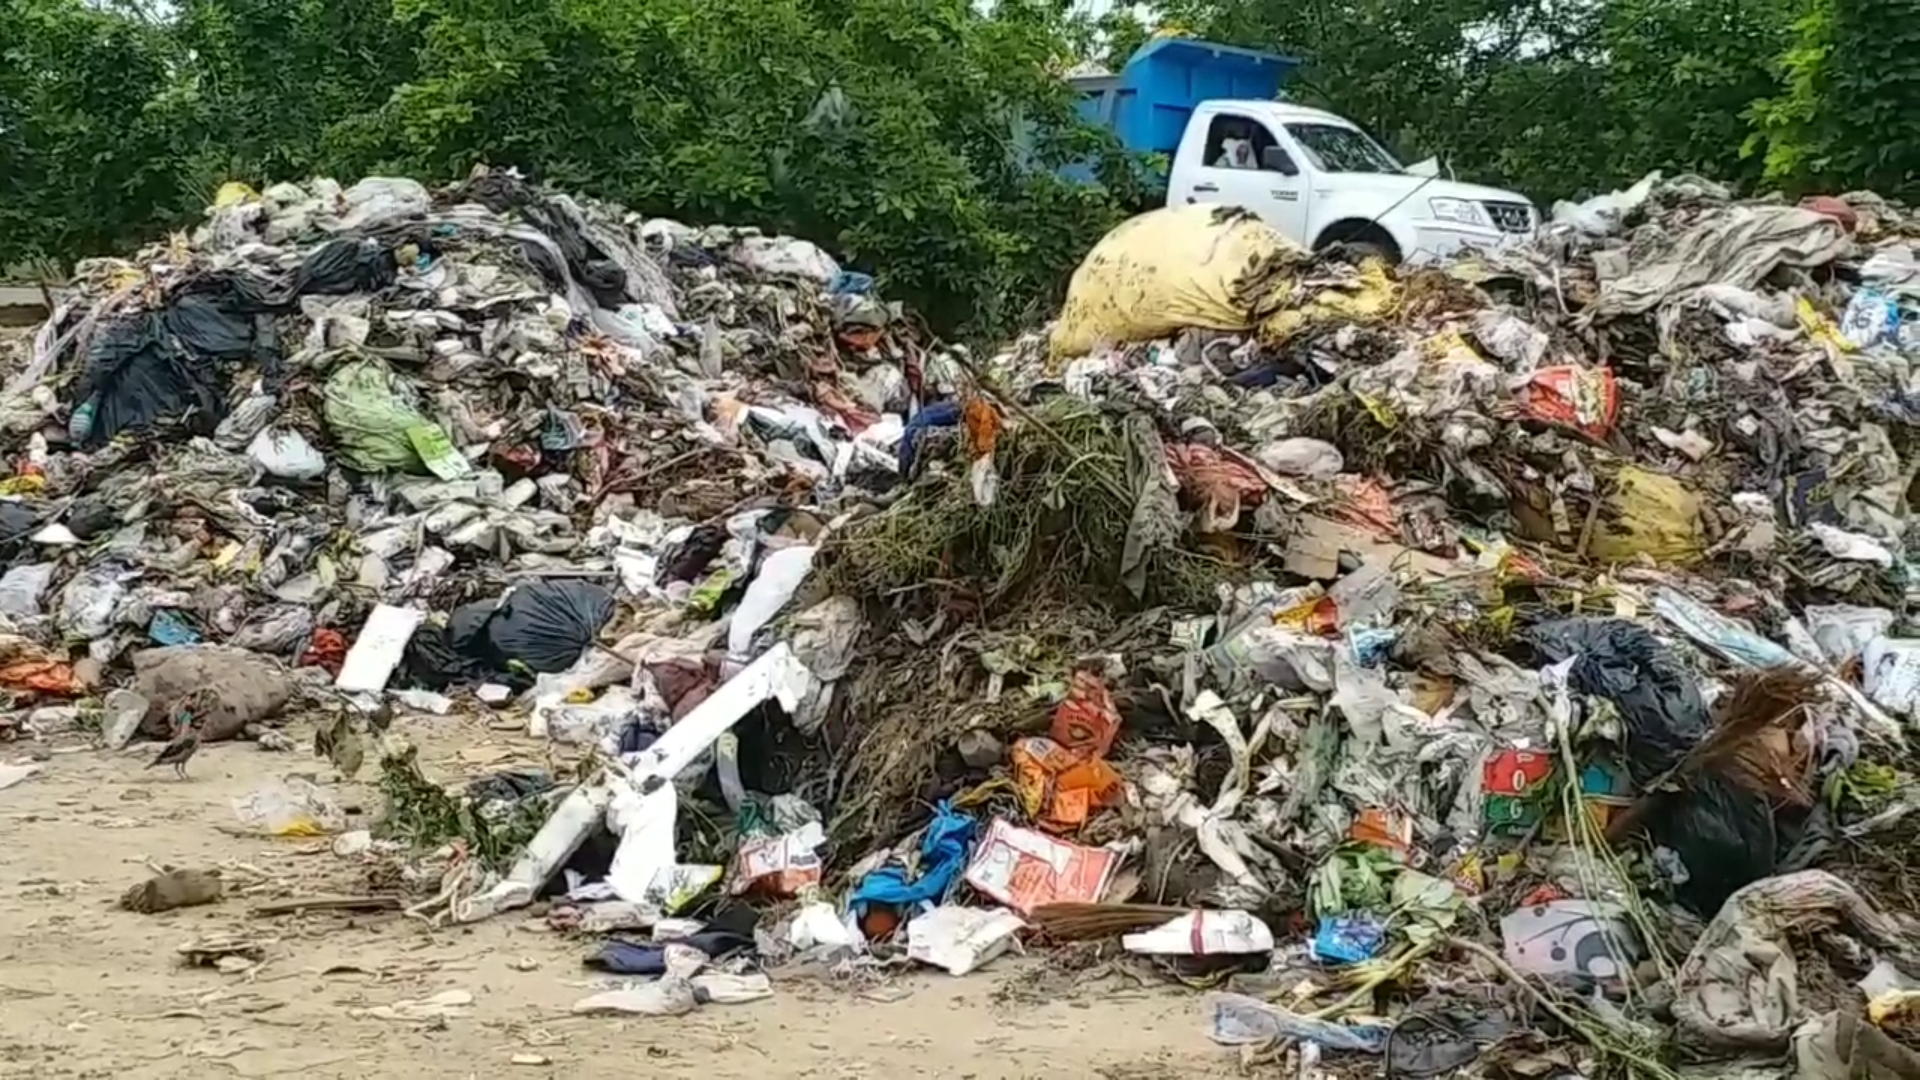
pixel 287 455
pixel 144 368
pixel 1647 513
pixel 780 577
pixel 639 326
pixel 1871 317
pixel 1239 1020
pixel 88 602
pixel 824 636
pixel 961 939
pixel 1604 215
pixel 1738 991
pixel 290 807
pixel 586 723
pixel 246 420
pixel 379 427
pixel 1512 339
pixel 1842 631
pixel 785 256
pixel 1584 399
pixel 376 201
pixel 274 630
pixel 1623 663
pixel 22 588
pixel 543 626
pixel 1726 836
pixel 1310 458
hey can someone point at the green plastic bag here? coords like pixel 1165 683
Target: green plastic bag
pixel 379 428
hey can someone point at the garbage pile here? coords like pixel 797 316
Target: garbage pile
pixel 328 412
pixel 1421 647
pixel 1504 663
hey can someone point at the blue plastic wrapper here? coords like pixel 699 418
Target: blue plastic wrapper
pixel 172 628
pixel 1371 646
pixel 1349 939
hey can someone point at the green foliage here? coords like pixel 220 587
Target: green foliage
pixel 85 146
pixel 1848 112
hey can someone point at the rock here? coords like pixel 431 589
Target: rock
pixel 125 710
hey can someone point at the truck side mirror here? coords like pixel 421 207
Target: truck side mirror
pixel 1276 159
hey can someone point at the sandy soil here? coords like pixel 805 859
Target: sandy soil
pixel 88 990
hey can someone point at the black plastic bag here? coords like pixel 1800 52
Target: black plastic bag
pixel 18 521
pixel 1657 697
pixel 545 625
pixel 510 785
pixel 344 267
pixel 466 627
pixel 542 627
pixel 159 364
pixel 1725 836
pixel 432 662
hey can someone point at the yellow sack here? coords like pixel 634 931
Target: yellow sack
pixel 1162 272
pixel 1648 513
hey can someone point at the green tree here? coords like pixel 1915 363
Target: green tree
pixel 85 134
pixel 268 82
pixel 1848 115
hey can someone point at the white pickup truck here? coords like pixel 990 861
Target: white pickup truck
pixel 1316 177
pixel 1319 179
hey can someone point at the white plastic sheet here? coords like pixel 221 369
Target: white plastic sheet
pixel 286 454
pixel 780 577
pixel 785 256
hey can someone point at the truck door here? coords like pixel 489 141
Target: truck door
pixel 1242 162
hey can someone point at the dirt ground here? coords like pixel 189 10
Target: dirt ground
pixel 89 990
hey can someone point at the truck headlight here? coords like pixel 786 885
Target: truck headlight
pixel 1463 211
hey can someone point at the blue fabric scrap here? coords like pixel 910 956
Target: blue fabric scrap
pixel 941 414
pixel 943 856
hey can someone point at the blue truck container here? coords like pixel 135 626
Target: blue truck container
pixel 1148 102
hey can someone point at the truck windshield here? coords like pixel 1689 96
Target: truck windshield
pixel 1338 149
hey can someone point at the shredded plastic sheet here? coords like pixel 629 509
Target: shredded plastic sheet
pixel 1738 990
pixel 1739 246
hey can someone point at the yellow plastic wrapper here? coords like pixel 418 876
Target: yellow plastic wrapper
pixel 1205 267
pixel 1648 514
pixel 233 193
pixel 1369 297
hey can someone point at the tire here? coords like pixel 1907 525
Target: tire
pixel 1361 250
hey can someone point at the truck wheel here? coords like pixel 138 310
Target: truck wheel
pixel 1359 251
